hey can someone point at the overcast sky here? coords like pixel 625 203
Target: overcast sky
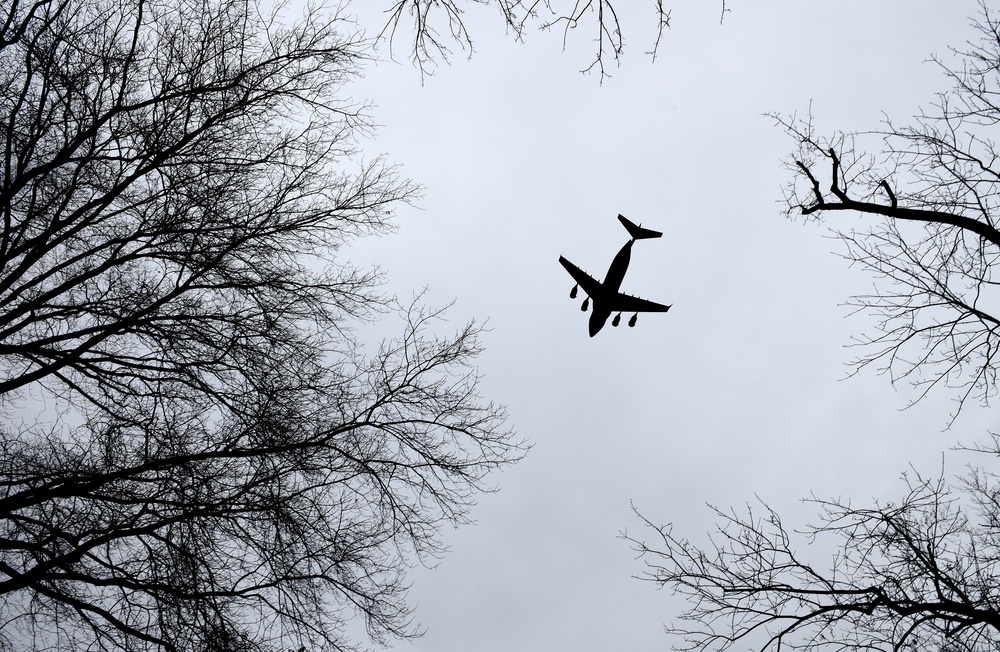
pixel 738 391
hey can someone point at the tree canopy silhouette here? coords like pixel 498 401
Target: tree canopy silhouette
pixel 197 451
pixel 919 573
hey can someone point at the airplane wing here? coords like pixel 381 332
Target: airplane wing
pixel 589 284
pixel 627 303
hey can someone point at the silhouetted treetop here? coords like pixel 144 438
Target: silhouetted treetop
pixel 196 451
pixel 917 574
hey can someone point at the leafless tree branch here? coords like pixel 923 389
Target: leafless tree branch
pixel 435 26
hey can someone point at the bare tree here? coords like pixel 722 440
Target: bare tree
pixel 197 451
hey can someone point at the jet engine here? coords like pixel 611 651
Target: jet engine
pixel 631 322
pixel 586 304
pixel 617 320
pixel 572 293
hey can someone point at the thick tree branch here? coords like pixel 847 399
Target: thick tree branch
pixel 845 203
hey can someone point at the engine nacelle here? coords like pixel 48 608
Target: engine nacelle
pixel 586 304
pixel 631 322
pixel 617 320
pixel 572 293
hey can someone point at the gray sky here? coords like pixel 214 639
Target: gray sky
pixel 737 391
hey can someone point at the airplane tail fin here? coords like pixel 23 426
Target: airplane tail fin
pixel 637 232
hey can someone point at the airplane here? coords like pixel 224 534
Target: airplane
pixel 607 298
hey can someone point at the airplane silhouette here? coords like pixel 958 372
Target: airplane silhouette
pixel 607 298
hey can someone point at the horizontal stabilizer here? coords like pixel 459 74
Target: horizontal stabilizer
pixel 637 232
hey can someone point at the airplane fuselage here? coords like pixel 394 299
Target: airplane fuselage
pixel 612 283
